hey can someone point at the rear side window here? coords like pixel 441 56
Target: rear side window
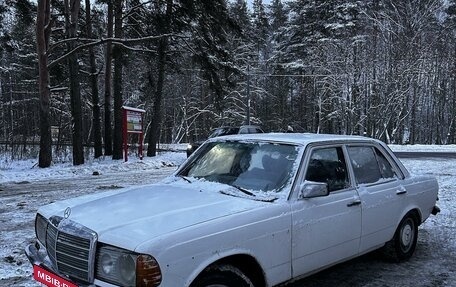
pixel 369 164
pixel 385 166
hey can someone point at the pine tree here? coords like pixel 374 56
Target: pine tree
pixel 276 110
pixel 96 112
pixel 239 13
pixel 43 31
pixel 451 24
pixel 117 81
pixel 71 25
pixel 107 136
pixel 260 29
pixel 164 21
pixel 3 31
pixel 210 32
pixel 19 75
pixel 278 16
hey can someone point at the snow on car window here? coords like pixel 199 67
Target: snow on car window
pixel 255 166
pixel 218 160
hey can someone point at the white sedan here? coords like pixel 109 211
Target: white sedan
pixel 242 211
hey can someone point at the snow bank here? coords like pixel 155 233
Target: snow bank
pixel 423 148
pixel 28 170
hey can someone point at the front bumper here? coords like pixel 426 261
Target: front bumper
pixel 37 255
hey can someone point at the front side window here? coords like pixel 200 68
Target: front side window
pixel 328 165
pixel 369 164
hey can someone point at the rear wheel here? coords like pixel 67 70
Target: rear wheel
pixel 403 244
pixel 222 276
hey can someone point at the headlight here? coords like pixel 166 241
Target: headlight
pixel 126 268
pixel 189 146
pixel 107 264
pixel 40 228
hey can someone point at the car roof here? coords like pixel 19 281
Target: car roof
pixel 296 138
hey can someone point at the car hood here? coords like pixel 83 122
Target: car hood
pixel 127 219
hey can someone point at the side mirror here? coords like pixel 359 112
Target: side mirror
pixel 310 189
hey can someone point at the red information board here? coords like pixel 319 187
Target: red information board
pixel 133 124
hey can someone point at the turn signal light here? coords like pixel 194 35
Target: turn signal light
pixel 148 273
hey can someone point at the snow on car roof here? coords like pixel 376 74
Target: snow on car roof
pixel 295 138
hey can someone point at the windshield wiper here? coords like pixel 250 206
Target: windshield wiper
pixel 185 178
pixel 243 190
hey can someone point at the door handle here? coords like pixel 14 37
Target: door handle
pixel 354 203
pixel 401 190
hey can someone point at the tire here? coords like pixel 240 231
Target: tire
pixel 222 276
pixel 403 244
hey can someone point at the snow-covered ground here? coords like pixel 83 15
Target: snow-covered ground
pixel 20 170
pixel 24 187
pixel 424 148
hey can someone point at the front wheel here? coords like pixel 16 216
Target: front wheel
pixel 222 276
pixel 403 244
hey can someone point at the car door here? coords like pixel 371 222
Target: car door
pixel 327 229
pixel 381 191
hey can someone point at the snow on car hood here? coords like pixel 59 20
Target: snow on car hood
pixel 127 219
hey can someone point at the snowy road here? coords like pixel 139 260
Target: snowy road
pixel 19 203
pixel 433 265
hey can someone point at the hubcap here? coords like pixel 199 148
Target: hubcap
pixel 407 235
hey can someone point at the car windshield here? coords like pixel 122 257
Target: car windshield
pixel 253 166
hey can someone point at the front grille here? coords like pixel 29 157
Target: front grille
pixel 71 249
pixel 51 239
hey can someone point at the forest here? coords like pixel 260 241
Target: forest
pixel 384 69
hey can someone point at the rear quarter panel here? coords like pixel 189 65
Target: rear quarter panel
pixel 422 194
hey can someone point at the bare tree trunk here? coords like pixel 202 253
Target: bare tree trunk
pixel 156 116
pixel 107 84
pixel 71 20
pixel 43 30
pixel 452 138
pixel 117 55
pixel 94 87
